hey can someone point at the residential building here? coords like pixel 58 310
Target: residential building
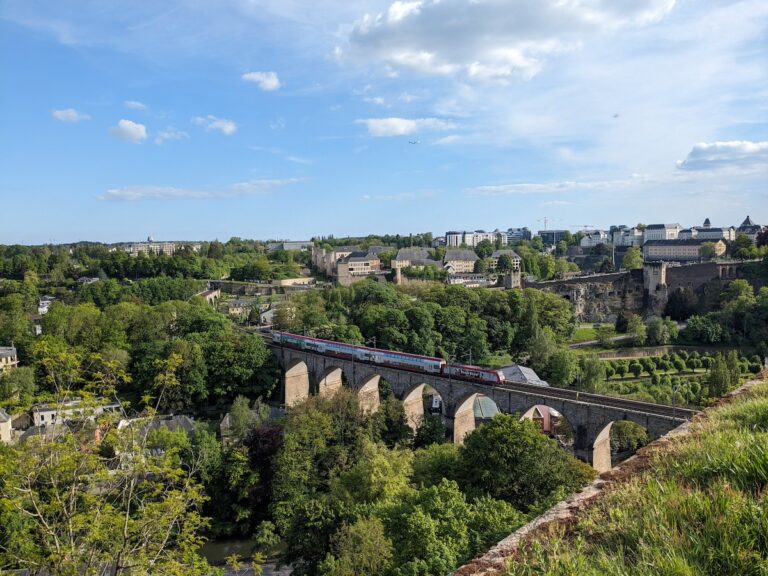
pixel 460 261
pixel 438 242
pixel 9 358
pixel 44 304
pixel 749 228
pixel 326 261
pixel 239 307
pixel 551 237
pixel 622 236
pixel 494 260
pixel 709 233
pixel 6 430
pixel 678 250
pixel 152 247
pixel 413 258
pixel 545 418
pixel 593 238
pixel 518 234
pixel 688 233
pixel 49 414
pixel 661 232
pixel 357 266
pixel 472 239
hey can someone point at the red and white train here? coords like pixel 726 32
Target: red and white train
pixel 401 360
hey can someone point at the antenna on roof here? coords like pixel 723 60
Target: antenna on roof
pixel 545 220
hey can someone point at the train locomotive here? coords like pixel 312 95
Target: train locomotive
pixel 401 360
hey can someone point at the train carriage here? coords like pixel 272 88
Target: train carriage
pixel 475 373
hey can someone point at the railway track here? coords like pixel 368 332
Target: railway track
pixel 571 395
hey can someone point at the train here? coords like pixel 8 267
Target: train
pixel 402 360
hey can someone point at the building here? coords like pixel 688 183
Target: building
pixel 749 229
pixel 239 308
pixel 326 261
pixel 594 238
pixel 661 232
pixel 460 261
pixel 164 248
pixel 49 414
pixel 44 304
pixel 473 280
pixel 688 233
pixel 494 260
pixel 357 266
pixel 522 374
pixel 9 358
pixel 623 236
pixel 709 233
pixel 472 239
pixel 678 250
pixel 517 235
pixel 552 237
pixel 295 245
pixel 6 433
pixel 413 258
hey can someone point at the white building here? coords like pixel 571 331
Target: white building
pixel 6 428
pixel 593 238
pixel 661 232
pixel 623 236
pixel 49 414
pixel 455 239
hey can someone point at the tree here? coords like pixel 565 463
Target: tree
pixel 605 334
pixel 606 265
pixel 563 367
pixel 719 380
pixel 435 462
pixel 682 304
pixel 636 329
pixel 480 266
pixel 633 259
pixel 359 548
pixel 504 264
pixel 657 332
pixel 431 430
pixel 762 237
pixel 73 511
pixel 512 460
pixel 541 347
pixel 484 249
pixel 708 250
pixel 743 247
pixel 593 373
pixel 628 436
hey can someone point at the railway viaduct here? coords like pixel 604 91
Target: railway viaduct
pixel 590 415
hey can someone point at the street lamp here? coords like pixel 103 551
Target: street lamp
pixel 674 391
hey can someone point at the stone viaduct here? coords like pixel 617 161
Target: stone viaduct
pixel 589 415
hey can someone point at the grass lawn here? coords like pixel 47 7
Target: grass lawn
pixel 697 505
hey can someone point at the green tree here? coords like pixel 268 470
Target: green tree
pixel 743 247
pixel 504 264
pixel 719 380
pixel 636 329
pixel 480 266
pixel 359 548
pixel 563 367
pixel 592 373
pixel 484 249
pixel 512 460
pixel 605 334
pixel 435 462
pixel 633 259
pixel 431 430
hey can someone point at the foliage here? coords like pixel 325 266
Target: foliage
pixel 431 430
pixel 512 460
pixel 633 259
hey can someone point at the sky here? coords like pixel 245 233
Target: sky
pixel 288 119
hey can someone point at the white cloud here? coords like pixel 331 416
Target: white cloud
pixel 267 81
pixel 736 155
pixel 129 131
pixel 401 196
pixel 227 127
pixel 525 188
pixel 69 115
pixel 134 105
pixel 488 41
pixel 170 133
pixel 382 127
pixel 248 188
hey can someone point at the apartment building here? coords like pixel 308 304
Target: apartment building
pixel 460 261
pixel 678 250
pixel 472 239
pixel 494 259
pixel 661 232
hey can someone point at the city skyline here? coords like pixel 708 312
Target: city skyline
pixel 265 119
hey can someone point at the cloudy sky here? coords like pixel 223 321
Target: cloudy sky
pixel 200 119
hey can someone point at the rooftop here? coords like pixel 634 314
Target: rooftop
pixel 677 242
pixel 517 373
pixel 411 254
pixel 466 255
pixel 661 226
pixel 511 253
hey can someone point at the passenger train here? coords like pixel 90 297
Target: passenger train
pixel 400 360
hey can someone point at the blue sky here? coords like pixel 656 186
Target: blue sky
pixel 195 119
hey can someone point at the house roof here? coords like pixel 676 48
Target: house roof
pixel 411 254
pixel 518 373
pixel 661 226
pixel 461 255
pixel 173 423
pixel 7 351
pixel 747 222
pixel 4 417
pixel 484 407
pixel 511 253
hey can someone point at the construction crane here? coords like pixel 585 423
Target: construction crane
pixel 584 227
pixel 545 220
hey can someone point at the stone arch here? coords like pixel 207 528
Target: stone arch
pixel 553 423
pixel 296 382
pixel 464 417
pixel 368 393
pixel 602 456
pixel 329 381
pixel 413 403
